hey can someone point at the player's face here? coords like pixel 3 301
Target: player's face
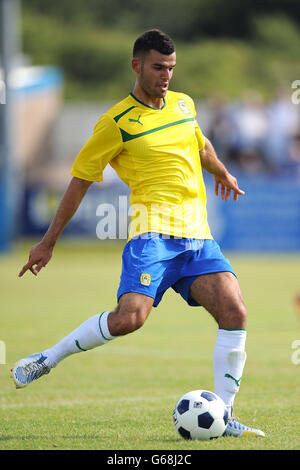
pixel 154 73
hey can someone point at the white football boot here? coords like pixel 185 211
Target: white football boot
pixel 235 429
pixel 29 368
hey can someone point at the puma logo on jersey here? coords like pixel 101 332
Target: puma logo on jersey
pixel 136 120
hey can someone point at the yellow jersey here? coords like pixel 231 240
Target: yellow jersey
pixel 156 153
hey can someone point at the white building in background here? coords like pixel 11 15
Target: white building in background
pixel 37 101
pixel 27 113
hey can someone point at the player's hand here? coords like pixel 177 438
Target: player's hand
pixel 39 256
pixel 225 185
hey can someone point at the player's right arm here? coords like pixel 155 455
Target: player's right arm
pixel 41 253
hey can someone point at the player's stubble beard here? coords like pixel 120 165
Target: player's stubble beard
pixel 147 88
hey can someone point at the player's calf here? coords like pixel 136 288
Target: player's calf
pixel 130 315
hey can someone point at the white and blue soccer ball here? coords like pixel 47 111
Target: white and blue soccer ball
pixel 201 415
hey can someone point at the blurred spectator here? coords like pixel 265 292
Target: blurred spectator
pixel 283 126
pixel 251 121
pixel 251 125
pixel 223 129
pixel 291 166
pixel 256 137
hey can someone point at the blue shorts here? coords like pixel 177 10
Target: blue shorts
pixel 153 263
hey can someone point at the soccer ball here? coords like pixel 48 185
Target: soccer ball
pixel 201 415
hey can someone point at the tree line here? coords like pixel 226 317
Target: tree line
pixel 183 19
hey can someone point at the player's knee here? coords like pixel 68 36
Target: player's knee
pixel 234 317
pixel 136 320
pixel 242 314
pixel 133 320
pixel 127 319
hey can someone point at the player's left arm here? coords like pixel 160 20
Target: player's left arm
pixel 225 183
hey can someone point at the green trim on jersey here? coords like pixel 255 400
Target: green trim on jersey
pixel 126 136
pixel 116 118
pixel 147 106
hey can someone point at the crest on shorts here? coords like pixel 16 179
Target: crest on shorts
pixel 183 106
pixel 145 279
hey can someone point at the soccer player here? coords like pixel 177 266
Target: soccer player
pixel 153 141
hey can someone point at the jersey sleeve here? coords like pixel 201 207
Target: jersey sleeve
pixel 200 136
pixel 104 144
pixel 198 132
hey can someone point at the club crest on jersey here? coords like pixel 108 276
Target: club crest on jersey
pixel 184 107
pixel 145 279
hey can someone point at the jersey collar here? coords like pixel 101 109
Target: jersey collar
pixel 147 106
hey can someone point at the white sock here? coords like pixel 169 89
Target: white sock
pixel 228 363
pixel 90 334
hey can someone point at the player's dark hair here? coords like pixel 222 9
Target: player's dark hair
pixel 153 39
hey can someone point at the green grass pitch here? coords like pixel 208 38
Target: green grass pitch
pixel 121 396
